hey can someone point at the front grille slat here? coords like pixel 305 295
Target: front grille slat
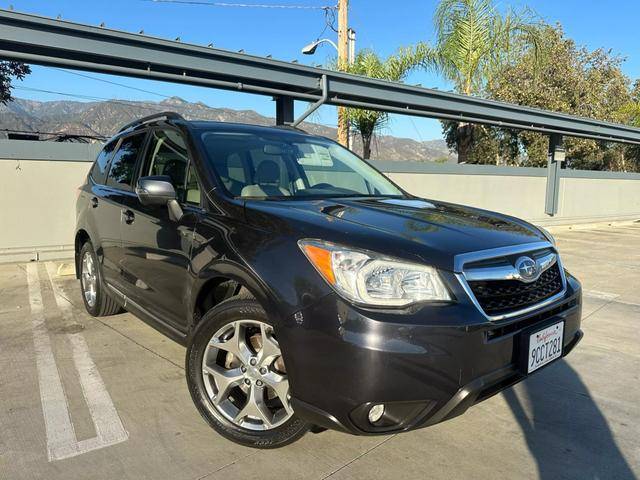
pixel 499 297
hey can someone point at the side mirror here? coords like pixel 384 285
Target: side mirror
pixel 155 190
pixel 158 190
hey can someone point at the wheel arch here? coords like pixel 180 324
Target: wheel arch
pixel 224 280
pixel 82 237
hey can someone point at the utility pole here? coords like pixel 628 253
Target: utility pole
pixel 343 60
pixel 351 34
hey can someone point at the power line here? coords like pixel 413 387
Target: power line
pixel 416 129
pixel 110 82
pixel 89 97
pixel 245 5
pixel 97 136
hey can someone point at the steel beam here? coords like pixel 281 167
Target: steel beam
pixel 46 41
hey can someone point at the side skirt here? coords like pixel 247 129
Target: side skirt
pixel 148 318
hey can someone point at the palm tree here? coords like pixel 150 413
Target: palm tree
pixel 474 40
pixel 395 68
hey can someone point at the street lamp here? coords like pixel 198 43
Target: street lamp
pixel 351 36
pixel 351 58
pixel 311 48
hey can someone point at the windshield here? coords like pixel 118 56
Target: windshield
pixel 288 165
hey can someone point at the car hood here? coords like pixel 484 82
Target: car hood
pixel 434 231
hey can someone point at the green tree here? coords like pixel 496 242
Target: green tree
pixel 8 71
pixel 473 41
pixel 630 112
pixel 569 79
pixel 396 67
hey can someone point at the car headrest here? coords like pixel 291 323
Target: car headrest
pixel 268 172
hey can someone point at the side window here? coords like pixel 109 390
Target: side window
pixel 167 155
pixel 99 169
pixel 124 162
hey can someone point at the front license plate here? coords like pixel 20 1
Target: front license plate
pixel 545 346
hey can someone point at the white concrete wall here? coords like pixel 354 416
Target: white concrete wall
pixel 519 196
pixel 37 213
pixel 598 199
pixel 582 200
pixel 39 181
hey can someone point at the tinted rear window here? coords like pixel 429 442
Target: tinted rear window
pixel 124 162
pixel 99 170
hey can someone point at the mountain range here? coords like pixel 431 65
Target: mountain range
pixel 104 118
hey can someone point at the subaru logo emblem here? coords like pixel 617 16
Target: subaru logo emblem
pixel 528 269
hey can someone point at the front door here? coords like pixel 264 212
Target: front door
pixel 156 249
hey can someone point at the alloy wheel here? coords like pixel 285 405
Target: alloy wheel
pixel 245 376
pixel 89 279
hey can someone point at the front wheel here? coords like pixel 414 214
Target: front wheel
pixel 237 377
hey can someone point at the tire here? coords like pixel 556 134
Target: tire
pixel 241 314
pixel 102 304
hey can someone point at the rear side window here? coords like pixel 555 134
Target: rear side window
pixel 124 160
pixel 99 170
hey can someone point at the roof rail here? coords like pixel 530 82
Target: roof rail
pixel 140 121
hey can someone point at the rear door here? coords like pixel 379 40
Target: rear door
pixel 103 221
pixel 114 195
pixel 156 249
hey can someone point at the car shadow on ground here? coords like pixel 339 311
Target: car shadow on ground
pixel 565 431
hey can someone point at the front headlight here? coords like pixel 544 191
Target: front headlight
pixel 371 279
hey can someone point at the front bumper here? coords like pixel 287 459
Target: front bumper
pixel 426 366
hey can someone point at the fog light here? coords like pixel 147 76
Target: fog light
pixel 375 413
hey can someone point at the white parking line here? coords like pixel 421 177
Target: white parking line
pixel 597 242
pixel 601 295
pixel 109 428
pixel 608 297
pixel 61 438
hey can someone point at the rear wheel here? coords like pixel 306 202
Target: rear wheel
pixel 238 379
pixel 96 299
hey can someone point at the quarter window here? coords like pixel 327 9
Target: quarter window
pixel 99 170
pixel 192 193
pixel 124 162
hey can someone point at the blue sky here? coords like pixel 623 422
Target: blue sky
pixel 379 24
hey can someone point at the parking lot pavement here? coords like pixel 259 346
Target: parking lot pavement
pixel 84 398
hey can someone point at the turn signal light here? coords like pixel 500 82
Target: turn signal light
pixel 321 259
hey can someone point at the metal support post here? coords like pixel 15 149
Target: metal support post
pixel 284 110
pixel 554 165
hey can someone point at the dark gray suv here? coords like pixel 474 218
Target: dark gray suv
pixel 309 290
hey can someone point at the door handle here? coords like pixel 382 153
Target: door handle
pixel 128 216
pixel 94 202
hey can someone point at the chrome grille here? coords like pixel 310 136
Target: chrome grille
pixel 497 297
pixel 499 289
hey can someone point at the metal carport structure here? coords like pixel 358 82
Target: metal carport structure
pixel 51 42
